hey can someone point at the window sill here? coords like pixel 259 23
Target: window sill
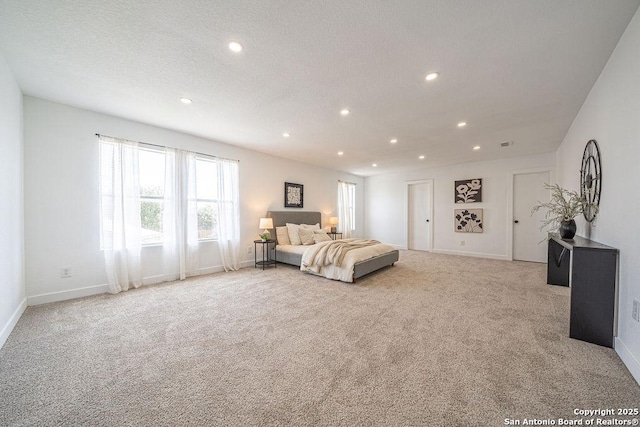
pixel 151 245
pixel 155 245
pixel 207 240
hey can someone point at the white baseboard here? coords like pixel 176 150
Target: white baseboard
pixel 219 268
pixel 101 289
pixel 628 359
pixel 11 323
pixel 398 247
pixel 249 263
pixel 471 254
pixel 65 295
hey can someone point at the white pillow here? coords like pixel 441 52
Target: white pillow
pixel 310 227
pixel 282 234
pixel 294 236
pixel 306 236
pixel 320 236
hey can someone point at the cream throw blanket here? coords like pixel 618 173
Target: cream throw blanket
pixel 333 252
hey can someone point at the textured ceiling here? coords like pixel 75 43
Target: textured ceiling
pixel 514 70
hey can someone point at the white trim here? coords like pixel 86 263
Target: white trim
pixel 103 289
pixel 399 247
pixel 406 210
pixel 628 359
pixel 11 323
pixel 471 254
pixel 510 178
pixel 248 263
pixel 67 295
pixel 219 268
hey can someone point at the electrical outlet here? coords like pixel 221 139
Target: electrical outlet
pixel 249 249
pixel 65 272
pixel 636 310
pixel 462 243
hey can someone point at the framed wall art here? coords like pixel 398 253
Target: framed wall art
pixel 467 220
pixel 468 191
pixel 293 195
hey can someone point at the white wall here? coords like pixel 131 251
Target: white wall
pixel 386 205
pixel 12 288
pixel 610 115
pixel 61 195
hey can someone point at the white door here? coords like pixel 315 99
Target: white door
pixel 420 221
pixel 528 190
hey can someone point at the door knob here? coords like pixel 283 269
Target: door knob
pixel 516 221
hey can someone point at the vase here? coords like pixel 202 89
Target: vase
pixel 567 229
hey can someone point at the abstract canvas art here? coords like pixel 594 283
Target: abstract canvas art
pixel 468 220
pixel 468 191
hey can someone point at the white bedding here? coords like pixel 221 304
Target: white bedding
pixel 343 272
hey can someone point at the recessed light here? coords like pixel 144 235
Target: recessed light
pixel 375 165
pixel 340 153
pixel 393 141
pixel 185 101
pixel 421 157
pixel 235 47
pixel 432 76
pixel 286 135
pixel 462 124
pixel 477 147
pixel 344 112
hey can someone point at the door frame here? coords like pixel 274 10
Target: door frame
pixel 406 211
pixel 510 200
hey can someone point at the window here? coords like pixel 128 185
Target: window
pixel 207 198
pixel 152 178
pixel 347 207
pixel 352 206
pixel 152 196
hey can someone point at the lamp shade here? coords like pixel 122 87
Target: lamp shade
pixel 333 220
pixel 266 223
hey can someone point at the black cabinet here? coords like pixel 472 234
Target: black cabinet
pixel 589 268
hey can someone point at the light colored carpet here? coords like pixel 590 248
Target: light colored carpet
pixel 435 340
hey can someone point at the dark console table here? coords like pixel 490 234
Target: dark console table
pixel 589 268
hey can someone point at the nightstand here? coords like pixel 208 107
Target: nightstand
pixel 266 254
pixel 334 236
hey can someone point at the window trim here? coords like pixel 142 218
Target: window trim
pixel 156 150
pixel 212 160
pixel 352 206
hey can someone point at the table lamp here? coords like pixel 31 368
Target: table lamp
pixel 333 221
pixel 266 224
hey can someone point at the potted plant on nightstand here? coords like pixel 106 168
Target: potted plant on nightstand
pixel 562 208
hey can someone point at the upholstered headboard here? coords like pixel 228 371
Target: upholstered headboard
pixel 281 218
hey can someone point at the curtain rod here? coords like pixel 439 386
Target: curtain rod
pixel 164 146
pixel 347 182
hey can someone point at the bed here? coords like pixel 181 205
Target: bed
pixel 364 261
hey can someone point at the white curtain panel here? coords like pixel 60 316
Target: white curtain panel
pixel 344 209
pixel 228 214
pixel 180 215
pixel 121 222
pixel 120 213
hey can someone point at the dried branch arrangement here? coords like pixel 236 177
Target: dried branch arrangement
pixel 564 205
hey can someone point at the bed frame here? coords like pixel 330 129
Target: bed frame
pixel 362 268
